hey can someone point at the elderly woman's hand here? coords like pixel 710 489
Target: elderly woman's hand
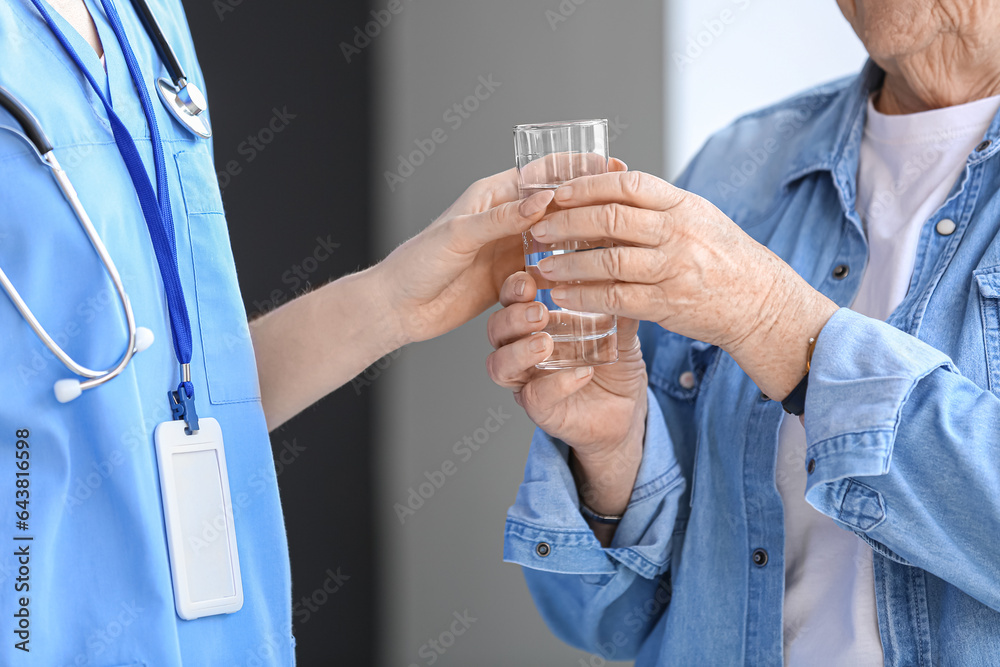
pixel 682 263
pixel 600 412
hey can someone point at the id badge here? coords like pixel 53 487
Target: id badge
pixel 201 538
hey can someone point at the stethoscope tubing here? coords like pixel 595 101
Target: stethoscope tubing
pixel 187 104
pixel 29 124
pixel 33 131
pixel 166 52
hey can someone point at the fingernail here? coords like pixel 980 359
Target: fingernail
pixel 540 229
pixel 558 293
pixel 519 287
pixel 545 265
pixel 583 371
pixel 537 343
pixel 564 192
pixel 534 313
pixel 534 203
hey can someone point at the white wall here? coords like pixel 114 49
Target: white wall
pixel 726 57
pixel 607 59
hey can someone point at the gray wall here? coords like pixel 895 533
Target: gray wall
pixel 604 60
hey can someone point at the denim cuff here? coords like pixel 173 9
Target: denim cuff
pixel 863 372
pixel 545 530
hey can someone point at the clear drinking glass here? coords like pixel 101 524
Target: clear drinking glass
pixel 549 154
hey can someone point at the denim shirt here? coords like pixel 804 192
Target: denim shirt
pixel 902 424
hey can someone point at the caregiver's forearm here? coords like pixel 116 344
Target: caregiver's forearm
pixel 312 345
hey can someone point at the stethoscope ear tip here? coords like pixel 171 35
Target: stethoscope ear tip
pixel 67 390
pixel 143 338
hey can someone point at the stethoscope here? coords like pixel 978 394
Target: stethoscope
pixel 183 100
pixel 187 104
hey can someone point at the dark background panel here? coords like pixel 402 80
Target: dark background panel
pixel 291 121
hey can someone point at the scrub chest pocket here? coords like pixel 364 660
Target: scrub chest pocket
pixel 230 367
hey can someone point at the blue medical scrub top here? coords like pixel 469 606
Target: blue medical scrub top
pixel 100 587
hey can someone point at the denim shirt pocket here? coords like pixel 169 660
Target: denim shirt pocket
pixel 230 366
pixel 678 365
pixel 988 280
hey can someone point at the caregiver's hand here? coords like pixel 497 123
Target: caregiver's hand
pixel 452 270
pixel 436 281
pixel 600 412
pixel 687 266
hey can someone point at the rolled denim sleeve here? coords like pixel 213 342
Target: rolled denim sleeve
pixel 586 593
pixel 547 511
pixel 904 450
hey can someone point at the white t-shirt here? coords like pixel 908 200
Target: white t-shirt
pixel 908 165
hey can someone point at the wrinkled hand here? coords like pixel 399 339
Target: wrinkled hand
pixel 683 264
pixel 600 412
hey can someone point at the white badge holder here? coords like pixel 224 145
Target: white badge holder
pixel 201 538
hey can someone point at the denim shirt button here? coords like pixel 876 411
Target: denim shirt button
pixel 945 227
pixel 543 549
pixel 811 468
pixel 983 146
pixel 686 380
pixel 840 271
pixel 759 557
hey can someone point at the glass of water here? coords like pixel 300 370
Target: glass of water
pixel 549 154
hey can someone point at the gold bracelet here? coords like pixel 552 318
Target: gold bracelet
pixel 809 354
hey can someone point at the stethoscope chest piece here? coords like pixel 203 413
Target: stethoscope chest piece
pixel 187 104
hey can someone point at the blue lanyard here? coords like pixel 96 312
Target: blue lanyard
pixel 155 209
